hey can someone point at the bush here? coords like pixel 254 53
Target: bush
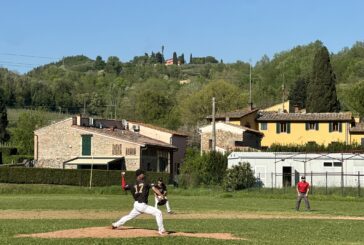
pixel 239 177
pixel 69 176
pixel 314 147
pixel 13 159
pixel 206 169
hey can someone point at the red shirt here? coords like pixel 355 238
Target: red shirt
pixel 303 186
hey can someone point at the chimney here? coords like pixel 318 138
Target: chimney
pixel 78 120
pixel 296 108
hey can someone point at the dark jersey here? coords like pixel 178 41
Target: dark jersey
pixel 140 191
pixel 162 188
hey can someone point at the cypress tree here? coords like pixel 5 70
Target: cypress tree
pixel 321 89
pixel 298 93
pixel 175 59
pixel 191 58
pixel 4 135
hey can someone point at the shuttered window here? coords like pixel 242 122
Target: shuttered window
pixel 86 145
pixel 283 127
pixel 335 127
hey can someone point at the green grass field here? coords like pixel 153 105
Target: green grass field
pixel 292 227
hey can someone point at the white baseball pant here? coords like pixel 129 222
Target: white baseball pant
pixel 138 209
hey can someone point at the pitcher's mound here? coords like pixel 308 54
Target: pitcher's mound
pixel 124 232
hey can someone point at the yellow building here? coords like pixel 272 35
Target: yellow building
pixel 281 107
pixel 279 127
pixel 357 134
pixel 301 128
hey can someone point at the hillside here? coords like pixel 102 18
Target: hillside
pixel 145 89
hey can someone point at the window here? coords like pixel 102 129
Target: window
pixel 86 145
pixel 283 127
pixel 263 126
pixel 335 127
pixel 130 151
pixel 117 149
pixel 312 126
pixel 338 164
pixel 210 144
pixel 327 164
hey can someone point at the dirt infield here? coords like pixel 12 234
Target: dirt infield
pixel 95 214
pixel 125 232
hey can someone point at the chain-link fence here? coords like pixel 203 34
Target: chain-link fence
pixel 322 182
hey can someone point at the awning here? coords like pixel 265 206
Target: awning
pixel 91 160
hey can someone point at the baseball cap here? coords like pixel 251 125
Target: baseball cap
pixel 139 172
pixel 303 177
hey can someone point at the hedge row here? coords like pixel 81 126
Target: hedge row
pixel 69 176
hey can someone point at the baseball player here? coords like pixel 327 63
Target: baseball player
pixel 162 189
pixel 140 192
pixel 303 188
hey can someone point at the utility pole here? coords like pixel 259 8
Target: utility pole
pixel 250 86
pixel 84 105
pixel 213 125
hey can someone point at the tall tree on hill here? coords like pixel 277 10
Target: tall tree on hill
pixel 191 59
pixel 321 89
pixel 99 63
pixel 159 57
pixel 113 65
pixel 175 59
pixel 181 59
pixel 298 93
pixel 4 135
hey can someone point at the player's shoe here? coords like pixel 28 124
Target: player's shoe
pixel 162 232
pixel 113 226
pixel 170 212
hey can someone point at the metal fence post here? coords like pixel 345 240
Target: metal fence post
pixel 326 182
pixel 272 180
pixel 358 183
pixel 342 183
pixel 311 184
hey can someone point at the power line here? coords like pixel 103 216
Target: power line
pixel 6 65
pixel 30 56
pixel 17 63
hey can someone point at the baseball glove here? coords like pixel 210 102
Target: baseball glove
pixel 162 202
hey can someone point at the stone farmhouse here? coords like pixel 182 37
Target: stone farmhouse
pixel 82 143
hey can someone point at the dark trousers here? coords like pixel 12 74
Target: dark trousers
pixel 299 199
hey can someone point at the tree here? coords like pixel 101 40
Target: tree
pixel 191 59
pixel 239 177
pixel 4 135
pixel 99 63
pixel 181 59
pixel 298 93
pixel 23 135
pixel 196 106
pixel 159 58
pixel 208 168
pixel 113 65
pixel 321 89
pixel 175 59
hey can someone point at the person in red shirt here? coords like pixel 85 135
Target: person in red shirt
pixel 303 188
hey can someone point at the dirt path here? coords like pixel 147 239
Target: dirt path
pixel 96 214
pixel 125 232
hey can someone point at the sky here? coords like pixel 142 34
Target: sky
pixel 37 32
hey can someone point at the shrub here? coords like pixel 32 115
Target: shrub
pixel 206 169
pixel 69 176
pixel 239 177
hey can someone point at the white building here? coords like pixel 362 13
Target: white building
pixel 278 169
